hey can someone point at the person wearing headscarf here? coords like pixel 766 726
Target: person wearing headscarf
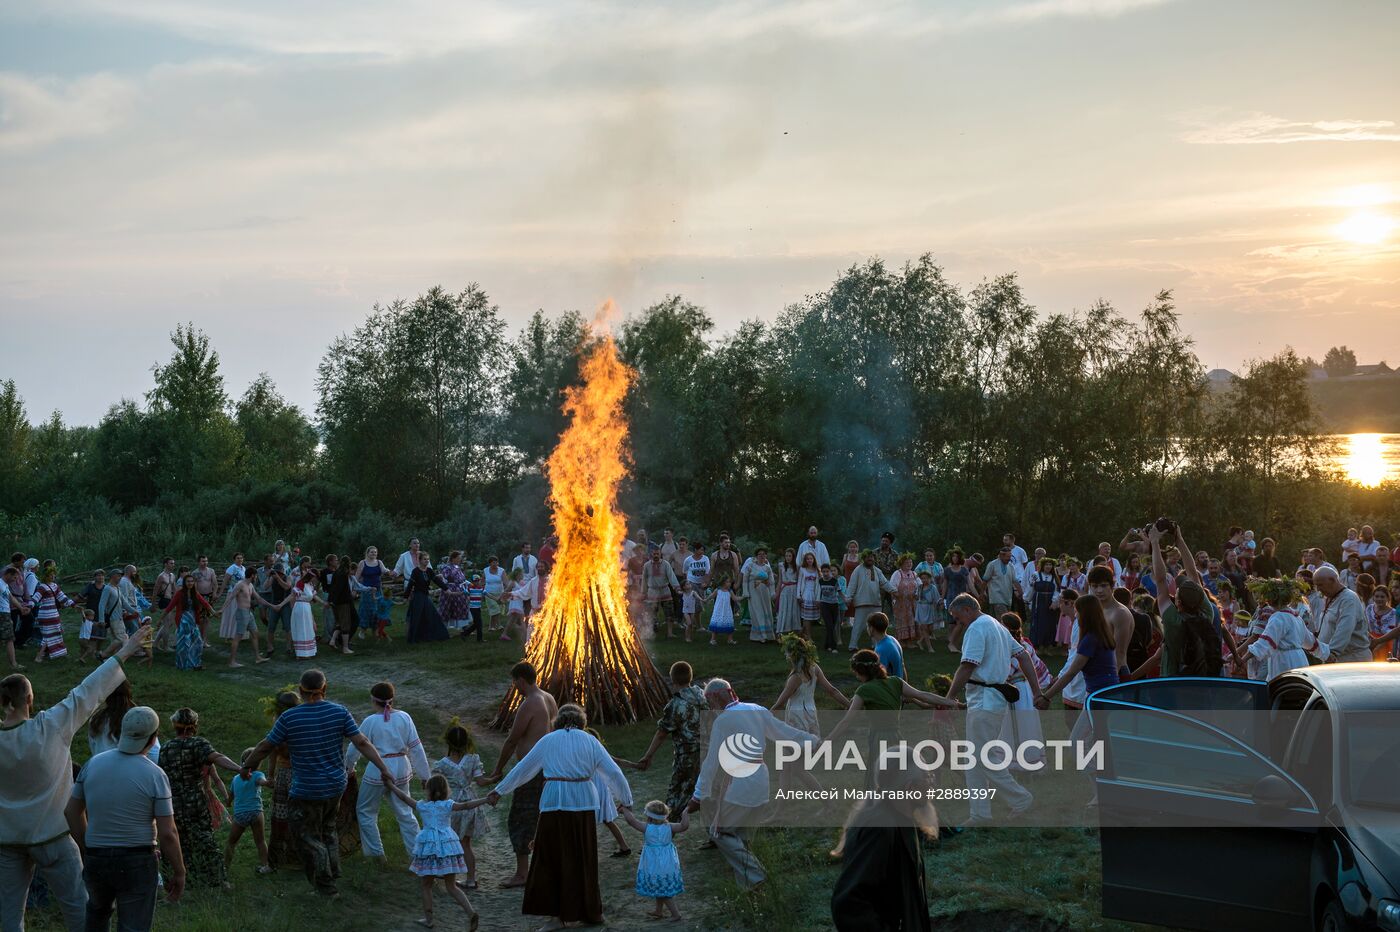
pixel 394 735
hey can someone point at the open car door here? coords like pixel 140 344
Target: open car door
pixel 1198 828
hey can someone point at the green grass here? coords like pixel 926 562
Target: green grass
pixel 1043 878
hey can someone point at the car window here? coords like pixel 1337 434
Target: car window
pixel 1309 758
pixel 1161 749
pixel 1228 705
pixel 1372 760
pixel 1287 708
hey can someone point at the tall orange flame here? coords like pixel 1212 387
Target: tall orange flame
pixel 583 646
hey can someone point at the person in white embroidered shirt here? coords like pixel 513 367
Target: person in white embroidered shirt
pixel 1342 621
pixel 395 737
pixel 744 797
pixel 36 778
pixel 563 878
pixel 988 650
pixel 813 546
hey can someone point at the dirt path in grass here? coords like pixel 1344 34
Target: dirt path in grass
pixel 397 904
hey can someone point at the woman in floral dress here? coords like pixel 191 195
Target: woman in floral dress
pixel 809 591
pixel 184 759
pixel 905 584
pixel 282 850
pixel 456 609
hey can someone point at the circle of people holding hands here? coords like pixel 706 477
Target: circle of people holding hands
pixel 1161 610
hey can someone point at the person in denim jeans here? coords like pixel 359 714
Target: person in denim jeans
pixel 128 800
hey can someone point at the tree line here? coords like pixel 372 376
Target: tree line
pixel 893 400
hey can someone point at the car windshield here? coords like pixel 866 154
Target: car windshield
pixel 1373 758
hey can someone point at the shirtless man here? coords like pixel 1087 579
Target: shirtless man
pixel 245 625
pixel 1119 618
pixel 165 584
pixel 533 720
pixel 206 583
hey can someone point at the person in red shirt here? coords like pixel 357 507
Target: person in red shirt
pixel 546 553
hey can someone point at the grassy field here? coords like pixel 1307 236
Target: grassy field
pixel 1010 878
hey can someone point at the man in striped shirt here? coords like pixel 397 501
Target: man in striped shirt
pixel 315 733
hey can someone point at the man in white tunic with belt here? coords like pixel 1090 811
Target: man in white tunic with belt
pixel 395 737
pixel 563 878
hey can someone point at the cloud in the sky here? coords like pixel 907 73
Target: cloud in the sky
pixel 428 27
pixel 35 112
pixel 1261 128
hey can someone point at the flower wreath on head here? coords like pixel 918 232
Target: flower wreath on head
pixel 269 703
pixel 1276 589
pixel 794 645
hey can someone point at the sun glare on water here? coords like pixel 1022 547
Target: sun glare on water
pixel 1365 461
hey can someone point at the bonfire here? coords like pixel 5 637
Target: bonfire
pixel 583 645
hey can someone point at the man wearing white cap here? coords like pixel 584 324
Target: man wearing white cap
pixel 120 811
pixel 36 775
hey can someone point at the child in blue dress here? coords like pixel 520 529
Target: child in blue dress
pixel 659 869
pixel 438 851
pixel 722 616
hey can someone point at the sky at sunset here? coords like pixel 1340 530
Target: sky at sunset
pixel 269 171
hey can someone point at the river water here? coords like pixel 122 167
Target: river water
pixel 1368 459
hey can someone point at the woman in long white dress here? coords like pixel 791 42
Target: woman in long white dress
pixel 303 617
pixel 1286 640
pixel 798 700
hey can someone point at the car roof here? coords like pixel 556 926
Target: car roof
pixel 1352 687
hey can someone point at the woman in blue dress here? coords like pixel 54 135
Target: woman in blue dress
pixel 957 578
pixel 369 583
pixel 190 608
pixel 1044 604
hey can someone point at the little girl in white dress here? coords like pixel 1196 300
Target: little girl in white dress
pixel 438 852
pixel 461 767
pixel 659 868
pixel 722 618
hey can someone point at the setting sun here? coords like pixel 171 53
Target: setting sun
pixel 1365 228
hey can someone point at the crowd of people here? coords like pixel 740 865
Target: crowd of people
pixel 676 584
pixel 141 814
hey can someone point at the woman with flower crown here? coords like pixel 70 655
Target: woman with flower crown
pixel 1285 642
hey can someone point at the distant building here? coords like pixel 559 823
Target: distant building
pixel 1219 376
pixel 1379 368
pixel 1317 373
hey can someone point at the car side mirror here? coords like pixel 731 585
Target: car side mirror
pixel 1274 792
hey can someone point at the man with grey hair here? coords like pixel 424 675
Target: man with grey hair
pixel 988 651
pixel 1342 621
pixel 742 802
